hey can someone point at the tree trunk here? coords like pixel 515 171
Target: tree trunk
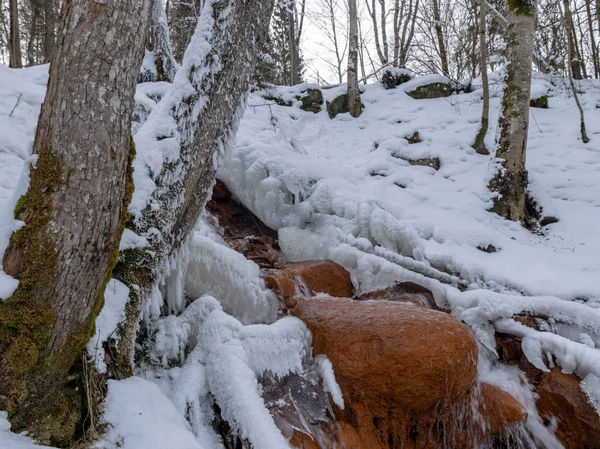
pixel 568 19
pixel 354 104
pixel 294 56
pixel 166 67
pixel 49 29
pixel 203 120
pixel 440 36
pixel 592 39
pixel 479 144
pixel 74 212
pixel 510 181
pixel 14 48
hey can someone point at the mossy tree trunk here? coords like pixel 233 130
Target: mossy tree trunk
pixel 354 104
pixel 479 144
pixel 510 180
pixel 205 120
pixel 74 212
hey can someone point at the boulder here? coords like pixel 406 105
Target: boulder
pixel 405 371
pixel 432 90
pixel 540 102
pixel 311 99
pixel 339 105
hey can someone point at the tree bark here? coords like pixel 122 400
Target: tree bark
pixel 354 104
pixel 479 144
pixel 16 60
pixel 49 29
pixel 510 181
pixel 74 211
pixel 204 120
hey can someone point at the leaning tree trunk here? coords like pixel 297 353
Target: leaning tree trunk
pixel 479 144
pixel 49 29
pixel 74 212
pixel 354 104
pixel 220 59
pixel 14 44
pixel 510 181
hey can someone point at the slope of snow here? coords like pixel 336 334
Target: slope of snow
pixel 345 189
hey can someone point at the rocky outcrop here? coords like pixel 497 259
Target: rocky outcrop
pixel 561 397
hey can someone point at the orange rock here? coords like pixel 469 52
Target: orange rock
pixel 499 409
pixel 404 370
pixel 561 397
pixel 320 276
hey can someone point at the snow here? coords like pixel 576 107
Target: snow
pixel 113 313
pixel 217 270
pixel 142 417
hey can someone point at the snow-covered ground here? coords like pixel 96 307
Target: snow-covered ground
pixel 344 189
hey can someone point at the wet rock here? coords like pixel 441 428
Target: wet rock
pixel 540 102
pixel 499 410
pixel 234 219
pixel 311 99
pixel 220 192
pixel 561 396
pixel 406 372
pixel 487 249
pixel 319 276
pixel 404 292
pixel 432 90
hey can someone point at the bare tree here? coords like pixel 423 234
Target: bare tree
pixel 15 36
pixel 331 18
pixel 74 212
pixel 354 104
pixel 479 144
pixel 570 36
pixel 510 180
pixel 405 18
pixel 439 31
pixel 49 29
